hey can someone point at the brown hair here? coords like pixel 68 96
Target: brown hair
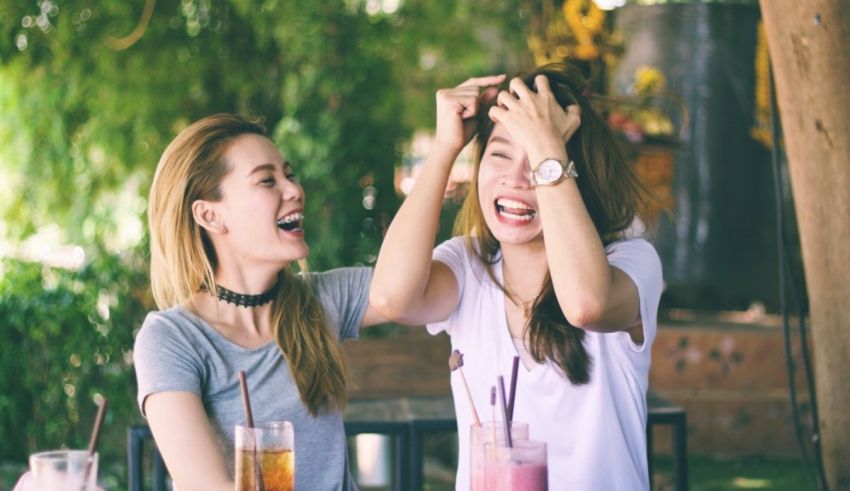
pixel 183 260
pixel 610 190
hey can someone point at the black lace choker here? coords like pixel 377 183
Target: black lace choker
pixel 243 300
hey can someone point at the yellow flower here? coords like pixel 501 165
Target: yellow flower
pixel 649 80
pixel 586 52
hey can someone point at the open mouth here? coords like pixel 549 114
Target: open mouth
pixel 515 210
pixel 292 222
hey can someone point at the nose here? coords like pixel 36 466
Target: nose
pixel 517 174
pixel 292 191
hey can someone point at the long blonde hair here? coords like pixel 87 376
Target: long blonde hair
pixel 611 193
pixel 183 259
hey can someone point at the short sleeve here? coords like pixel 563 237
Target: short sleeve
pixel 639 260
pixel 165 359
pixel 453 253
pixel 344 294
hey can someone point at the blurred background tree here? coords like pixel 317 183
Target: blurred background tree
pixel 92 92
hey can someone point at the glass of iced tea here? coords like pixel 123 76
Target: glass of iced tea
pixel 265 454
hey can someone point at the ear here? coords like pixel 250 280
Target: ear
pixel 205 214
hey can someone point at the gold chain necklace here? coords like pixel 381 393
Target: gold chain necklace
pixel 525 305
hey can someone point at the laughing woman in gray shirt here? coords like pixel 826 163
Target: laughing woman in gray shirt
pixel 225 215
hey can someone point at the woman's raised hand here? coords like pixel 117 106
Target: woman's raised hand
pixel 457 107
pixel 535 119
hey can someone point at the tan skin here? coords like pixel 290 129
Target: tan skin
pixel 409 287
pixel 259 189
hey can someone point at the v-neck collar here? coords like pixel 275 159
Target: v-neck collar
pixel 505 340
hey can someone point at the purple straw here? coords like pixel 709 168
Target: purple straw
pixel 508 438
pixel 512 394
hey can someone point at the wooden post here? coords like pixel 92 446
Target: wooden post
pixel 809 42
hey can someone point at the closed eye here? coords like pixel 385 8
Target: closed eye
pixel 292 176
pixel 500 155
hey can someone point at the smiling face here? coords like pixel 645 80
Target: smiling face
pixel 505 191
pixel 261 206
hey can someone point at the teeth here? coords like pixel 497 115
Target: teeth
pixel 524 218
pixel 291 218
pixel 509 203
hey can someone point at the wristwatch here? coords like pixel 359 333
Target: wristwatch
pixel 552 171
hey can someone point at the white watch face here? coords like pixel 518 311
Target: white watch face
pixel 548 171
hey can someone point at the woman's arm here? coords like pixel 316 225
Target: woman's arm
pixel 407 285
pixel 592 294
pixel 187 442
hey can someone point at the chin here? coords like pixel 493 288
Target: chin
pixel 517 239
pixel 509 235
pixel 293 254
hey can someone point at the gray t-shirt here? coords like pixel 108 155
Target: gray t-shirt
pixel 177 351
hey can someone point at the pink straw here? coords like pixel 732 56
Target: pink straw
pixel 508 438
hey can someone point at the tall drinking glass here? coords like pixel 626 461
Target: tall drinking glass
pixel 488 432
pixel 522 467
pixel 265 452
pixel 61 470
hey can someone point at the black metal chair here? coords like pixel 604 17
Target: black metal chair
pixel 663 412
pixel 139 437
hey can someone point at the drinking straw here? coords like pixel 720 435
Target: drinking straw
pixel 246 400
pixel 455 363
pixel 493 411
pixel 508 438
pixel 95 435
pixel 512 394
pixel 249 417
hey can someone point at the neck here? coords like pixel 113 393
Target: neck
pixel 252 321
pixel 247 281
pixel 524 267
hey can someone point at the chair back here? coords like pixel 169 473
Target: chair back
pixel 140 441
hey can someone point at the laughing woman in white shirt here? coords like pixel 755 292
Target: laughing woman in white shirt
pixel 541 269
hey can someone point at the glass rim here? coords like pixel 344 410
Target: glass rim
pixel 519 444
pixel 267 425
pixel 60 454
pixel 498 422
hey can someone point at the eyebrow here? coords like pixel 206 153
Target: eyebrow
pixel 267 167
pixel 499 139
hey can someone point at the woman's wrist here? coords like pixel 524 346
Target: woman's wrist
pixel 543 153
pixel 446 147
pixel 550 146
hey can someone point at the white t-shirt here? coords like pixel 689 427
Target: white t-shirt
pixel 595 433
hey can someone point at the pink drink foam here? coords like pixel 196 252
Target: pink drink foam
pixel 516 476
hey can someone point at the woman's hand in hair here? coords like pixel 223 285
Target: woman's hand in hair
pixel 457 108
pixel 535 119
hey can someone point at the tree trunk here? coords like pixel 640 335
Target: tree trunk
pixel 809 42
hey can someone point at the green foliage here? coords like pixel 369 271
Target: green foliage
pixel 86 117
pixel 67 339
